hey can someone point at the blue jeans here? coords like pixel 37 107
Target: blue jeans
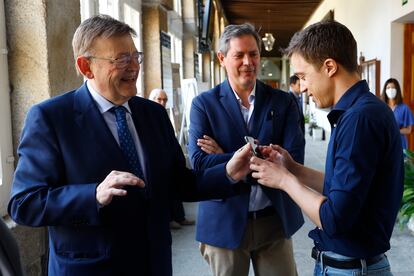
pixel 381 268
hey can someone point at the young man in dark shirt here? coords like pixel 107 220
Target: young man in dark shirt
pixel 355 202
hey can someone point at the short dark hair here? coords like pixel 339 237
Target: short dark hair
pixel 398 97
pixel 322 40
pixel 233 31
pixel 293 79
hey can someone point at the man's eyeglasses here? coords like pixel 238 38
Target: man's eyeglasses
pixel 123 61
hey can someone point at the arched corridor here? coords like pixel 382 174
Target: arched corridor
pixel 187 260
pixel 180 40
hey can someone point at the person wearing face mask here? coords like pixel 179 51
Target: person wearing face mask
pixel 391 94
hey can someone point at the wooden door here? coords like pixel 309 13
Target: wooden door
pixel 408 83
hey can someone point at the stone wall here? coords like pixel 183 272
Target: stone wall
pixel 41 65
pixel 155 20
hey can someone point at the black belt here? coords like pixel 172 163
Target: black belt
pixel 265 212
pixel 344 264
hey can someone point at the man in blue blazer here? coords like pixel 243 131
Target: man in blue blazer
pixel 256 226
pixel 80 156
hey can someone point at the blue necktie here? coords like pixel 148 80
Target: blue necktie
pixel 126 142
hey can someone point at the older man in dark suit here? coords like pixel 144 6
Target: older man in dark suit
pixel 99 166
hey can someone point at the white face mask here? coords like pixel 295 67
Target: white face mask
pixel 391 92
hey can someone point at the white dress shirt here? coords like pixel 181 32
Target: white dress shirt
pixel 104 107
pixel 258 199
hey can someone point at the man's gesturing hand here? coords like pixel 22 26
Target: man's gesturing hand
pixel 113 184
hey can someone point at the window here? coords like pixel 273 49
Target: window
pixel 6 146
pixel 109 7
pixel 177 51
pixel 132 16
pixel 177 7
pixel 370 71
pixel 175 31
pixel 88 8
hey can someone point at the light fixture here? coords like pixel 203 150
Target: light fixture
pixel 268 39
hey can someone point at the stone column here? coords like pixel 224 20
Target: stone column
pixel 285 75
pixel 154 20
pixel 206 74
pixel 189 40
pixel 41 65
pixel 189 49
pixel 215 46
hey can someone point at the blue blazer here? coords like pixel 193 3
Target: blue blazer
pixel 216 113
pixel 66 149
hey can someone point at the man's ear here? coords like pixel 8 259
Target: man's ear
pixel 221 57
pixel 331 67
pixel 84 66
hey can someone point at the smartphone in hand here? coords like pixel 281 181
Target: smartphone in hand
pixel 254 146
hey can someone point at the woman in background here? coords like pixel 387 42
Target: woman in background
pixel 391 94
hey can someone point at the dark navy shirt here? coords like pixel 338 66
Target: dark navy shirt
pixel 363 177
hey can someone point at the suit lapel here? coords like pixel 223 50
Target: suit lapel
pixel 144 134
pixel 95 129
pixel 232 107
pixel 261 104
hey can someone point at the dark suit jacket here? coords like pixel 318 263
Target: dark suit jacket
pixel 66 149
pixel 217 114
pixel 299 107
pixel 9 253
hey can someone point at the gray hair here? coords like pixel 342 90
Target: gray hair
pixel 233 31
pixel 155 92
pixel 97 26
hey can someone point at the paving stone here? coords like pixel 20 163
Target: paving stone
pixel 187 260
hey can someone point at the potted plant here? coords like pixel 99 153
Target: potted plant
pixel 311 124
pixel 406 213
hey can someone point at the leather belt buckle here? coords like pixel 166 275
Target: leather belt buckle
pixel 316 254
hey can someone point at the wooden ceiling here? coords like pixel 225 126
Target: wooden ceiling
pixel 282 18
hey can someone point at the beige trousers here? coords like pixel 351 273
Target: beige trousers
pixel 264 244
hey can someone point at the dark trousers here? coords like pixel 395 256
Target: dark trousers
pixel 177 211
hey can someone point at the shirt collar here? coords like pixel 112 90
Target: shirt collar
pixel 103 104
pixel 296 95
pixel 252 95
pixel 346 101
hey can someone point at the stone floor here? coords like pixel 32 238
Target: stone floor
pixel 187 260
